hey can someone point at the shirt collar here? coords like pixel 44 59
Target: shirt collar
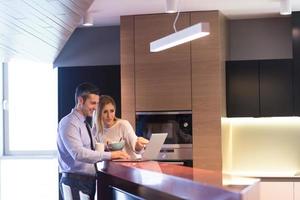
pixel 78 115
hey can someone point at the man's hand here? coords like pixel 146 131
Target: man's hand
pixel 140 143
pixel 119 154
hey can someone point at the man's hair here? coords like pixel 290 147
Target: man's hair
pixel 84 90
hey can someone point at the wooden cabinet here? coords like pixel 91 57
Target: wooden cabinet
pixel 208 89
pixel 190 76
pixel 162 79
pixel 127 69
pixel 259 88
pixel 242 88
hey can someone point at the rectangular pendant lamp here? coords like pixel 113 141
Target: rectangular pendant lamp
pixel 185 35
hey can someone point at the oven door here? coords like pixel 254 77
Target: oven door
pixel 178 125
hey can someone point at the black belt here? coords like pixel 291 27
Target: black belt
pixel 82 177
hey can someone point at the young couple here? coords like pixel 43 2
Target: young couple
pixel 76 140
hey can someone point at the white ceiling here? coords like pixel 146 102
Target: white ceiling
pixel 38 29
pixel 108 12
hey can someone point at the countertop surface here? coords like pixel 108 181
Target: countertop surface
pixel 267 174
pixel 183 181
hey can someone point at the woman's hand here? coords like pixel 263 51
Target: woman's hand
pixel 141 143
pixel 119 154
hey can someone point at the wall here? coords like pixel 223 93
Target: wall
pixel 261 146
pixel 106 78
pixel 90 46
pixel 269 38
pixel 249 39
pixel 97 50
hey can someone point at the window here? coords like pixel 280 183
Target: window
pixel 28 178
pixel 30 108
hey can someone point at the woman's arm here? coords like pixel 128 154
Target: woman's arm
pixel 137 143
pixel 141 143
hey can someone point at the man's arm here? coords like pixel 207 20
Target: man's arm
pixel 71 138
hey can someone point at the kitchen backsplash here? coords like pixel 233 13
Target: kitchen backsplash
pixel 257 145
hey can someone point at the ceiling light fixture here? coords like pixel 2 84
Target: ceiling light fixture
pixel 179 37
pixel 285 7
pixel 171 6
pixel 88 19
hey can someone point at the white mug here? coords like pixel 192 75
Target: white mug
pixel 99 147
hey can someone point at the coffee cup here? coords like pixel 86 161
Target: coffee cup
pixel 100 147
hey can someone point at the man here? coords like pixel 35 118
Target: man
pixel 75 142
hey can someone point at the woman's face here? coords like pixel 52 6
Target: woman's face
pixel 108 115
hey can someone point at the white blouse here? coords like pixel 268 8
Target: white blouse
pixel 121 129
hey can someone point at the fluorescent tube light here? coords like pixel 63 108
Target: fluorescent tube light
pixel 188 34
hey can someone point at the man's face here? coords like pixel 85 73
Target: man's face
pixel 89 106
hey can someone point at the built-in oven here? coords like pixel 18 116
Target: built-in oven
pixel 178 125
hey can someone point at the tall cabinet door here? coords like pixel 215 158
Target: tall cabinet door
pixel 276 88
pixel 162 79
pixel 296 60
pixel 242 88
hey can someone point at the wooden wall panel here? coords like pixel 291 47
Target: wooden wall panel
pixel 163 79
pixel 224 48
pixel 207 89
pixel 127 69
pixel 195 70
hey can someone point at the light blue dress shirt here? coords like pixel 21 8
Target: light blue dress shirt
pixel 74 149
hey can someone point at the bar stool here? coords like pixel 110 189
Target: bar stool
pixel 67 193
pixel 83 196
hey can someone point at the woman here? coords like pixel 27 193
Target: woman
pixel 111 128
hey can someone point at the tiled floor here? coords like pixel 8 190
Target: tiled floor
pixel 28 179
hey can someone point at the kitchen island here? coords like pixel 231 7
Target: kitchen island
pixel 154 180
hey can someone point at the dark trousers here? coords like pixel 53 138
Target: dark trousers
pixel 83 183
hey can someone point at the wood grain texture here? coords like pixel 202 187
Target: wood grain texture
pixel 189 76
pixel 224 44
pixel 127 69
pixel 207 89
pixel 163 79
pixel 38 29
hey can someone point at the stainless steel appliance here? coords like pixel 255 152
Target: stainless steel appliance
pixel 178 125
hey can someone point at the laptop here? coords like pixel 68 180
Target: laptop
pixel 152 149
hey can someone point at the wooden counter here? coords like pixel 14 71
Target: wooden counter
pixel 151 180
